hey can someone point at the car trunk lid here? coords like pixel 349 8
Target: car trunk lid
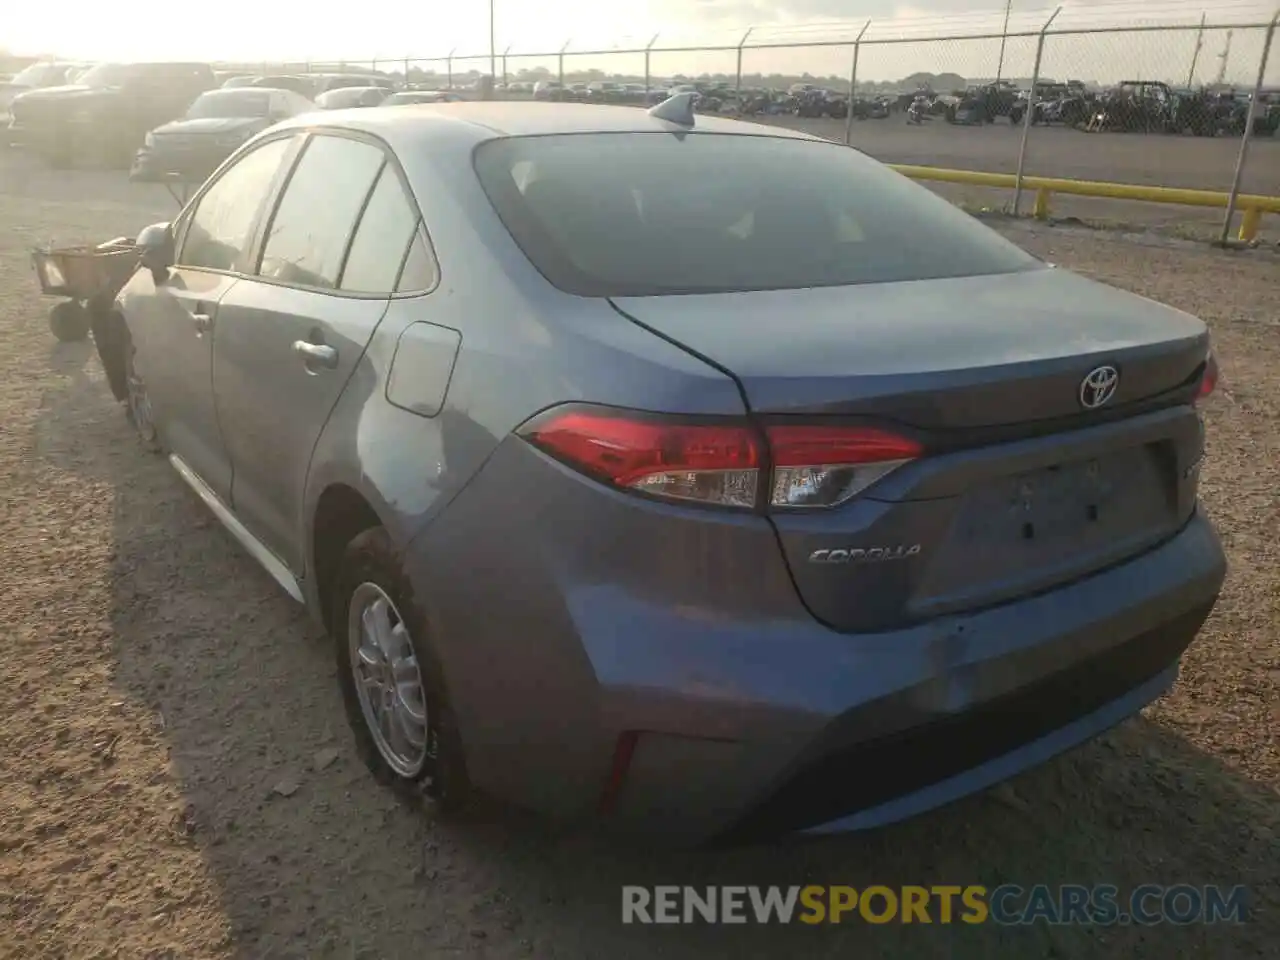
pixel 1021 486
pixel 934 354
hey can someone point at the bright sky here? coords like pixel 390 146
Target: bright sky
pixel 251 30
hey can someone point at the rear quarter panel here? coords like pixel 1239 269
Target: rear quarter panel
pixel 523 347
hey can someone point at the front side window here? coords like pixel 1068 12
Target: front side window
pixel 308 236
pixel 222 223
pixel 639 214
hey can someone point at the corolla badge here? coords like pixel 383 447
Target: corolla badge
pixel 1098 387
pixel 864 555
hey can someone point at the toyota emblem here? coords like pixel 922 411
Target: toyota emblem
pixel 1098 387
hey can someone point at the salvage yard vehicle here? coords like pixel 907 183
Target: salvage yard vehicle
pixel 301 84
pixel 873 108
pixel 401 97
pixel 35 76
pixel 1136 106
pixel 970 109
pixel 324 82
pixel 107 112
pixel 619 503
pixel 344 98
pixel 211 130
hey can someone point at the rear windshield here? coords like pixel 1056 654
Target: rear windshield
pixel 639 214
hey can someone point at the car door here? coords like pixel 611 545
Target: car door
pixel 288 339
pixel 171 321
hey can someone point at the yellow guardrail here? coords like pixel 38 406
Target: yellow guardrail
pixel 1253 206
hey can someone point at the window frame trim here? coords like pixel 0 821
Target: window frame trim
pixel 389 159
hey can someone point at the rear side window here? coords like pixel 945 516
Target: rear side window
pixel 387 226
pixel 419 271
pixel 639 214
pixel 308 237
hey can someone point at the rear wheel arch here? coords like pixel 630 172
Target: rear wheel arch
pixel 342 513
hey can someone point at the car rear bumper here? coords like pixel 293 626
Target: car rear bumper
pixel 689 715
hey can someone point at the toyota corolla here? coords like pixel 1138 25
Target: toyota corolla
pixel 692 475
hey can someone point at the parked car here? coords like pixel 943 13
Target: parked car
pixel 108 111
pixel 341 98
pixel 324 82
pixel 211 130
pixel 299 83
pixel 618 502
pixel 401 97
pixel 36 76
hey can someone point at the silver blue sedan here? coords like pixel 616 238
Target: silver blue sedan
pixel 696 476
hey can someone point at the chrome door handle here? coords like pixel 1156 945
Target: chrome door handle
pixel 203 322
pixel 316 354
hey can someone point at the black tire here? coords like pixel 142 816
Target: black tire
pixel 371 559
pixel 69 321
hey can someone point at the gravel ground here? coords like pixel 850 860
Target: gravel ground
pixel 176 779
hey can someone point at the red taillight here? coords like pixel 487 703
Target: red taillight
pixel 713 463
pixel 1209 378
pixel 720 463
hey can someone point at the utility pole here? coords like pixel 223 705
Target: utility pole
pixel 1004 37
pixel 493 46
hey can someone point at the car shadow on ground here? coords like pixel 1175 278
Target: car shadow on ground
pixel 312 859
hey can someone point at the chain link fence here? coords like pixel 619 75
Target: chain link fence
pixel 1191 102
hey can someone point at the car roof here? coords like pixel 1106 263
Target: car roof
pixel 490 119
pixel 232 91
pixel 338 93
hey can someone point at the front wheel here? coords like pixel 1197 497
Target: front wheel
pixel 392 684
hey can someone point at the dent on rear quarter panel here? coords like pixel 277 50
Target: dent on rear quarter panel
pixel 404 463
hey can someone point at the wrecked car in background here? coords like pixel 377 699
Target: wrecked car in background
pixel 107 112
pixel 212 129
pixel 35 76
pixel 299 83
pixel 402 97
pixel 344 98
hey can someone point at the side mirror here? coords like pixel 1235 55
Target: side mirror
pixel 155 248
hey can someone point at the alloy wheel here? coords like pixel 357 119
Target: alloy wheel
pixel 388 681
pixel 139 403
